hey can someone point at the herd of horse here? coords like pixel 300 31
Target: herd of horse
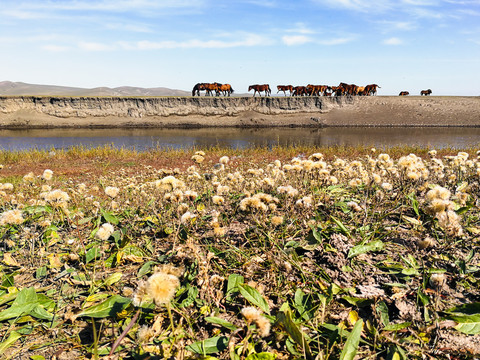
pixel 224 89
pixel 310 90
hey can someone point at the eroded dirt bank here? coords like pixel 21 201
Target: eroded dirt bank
pixel 47 111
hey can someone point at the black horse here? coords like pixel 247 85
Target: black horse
pixel 197 88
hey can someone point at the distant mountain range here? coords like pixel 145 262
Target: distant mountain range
pixel 20 88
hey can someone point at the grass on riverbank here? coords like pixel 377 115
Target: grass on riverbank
pixel 234 254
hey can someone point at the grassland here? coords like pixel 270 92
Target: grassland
pixel 290 253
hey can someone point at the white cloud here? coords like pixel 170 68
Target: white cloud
pixel 139 28
pixel 295 39
pixel 94 46
pixel 393 41
pixel 336 41
pixel 29 9
pixel 55 48
pixel 300 28
pixel 359 5
pixel 398 25
pixel 246 41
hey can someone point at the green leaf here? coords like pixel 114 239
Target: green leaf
pixel 109 307
pixel 470 308
pixel 112 279
pixel 351 345
pixel 14 336
pixel 469 328
pixel 40 313
pixel 192 294
pixel 397 327
pixel 109 217
pixel 414 202
pixel 146 268
pixel 221 322
pixel 261 356
pixel 209 346
pixel 37 357
pixel 376 245
pixel 254 297
pixel 284 318
pixel 92 254
pixel 467 324
pixel 342 227
pixel 233 281
pixel 41 272
pixel 17 311
pixel 382 311
pixel 303 305
pixel 26 303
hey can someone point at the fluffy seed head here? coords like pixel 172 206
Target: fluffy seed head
pixel 47 174
pixel 161 287
pixel 105 231
pixel 111 191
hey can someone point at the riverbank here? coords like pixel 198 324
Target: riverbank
pixel 170 112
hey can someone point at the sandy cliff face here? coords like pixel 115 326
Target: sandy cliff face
pixel 45 111
pixel 131 107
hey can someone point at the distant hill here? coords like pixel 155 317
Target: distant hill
pixel 20 88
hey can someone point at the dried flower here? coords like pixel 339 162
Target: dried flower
pixel 12 217
pixel 277 220
pixel 253 315
pixel 186 217
pixel 111 191
pixel 29 178
pixel 161 287
pixel 105 231
pixel 56 196
pixel 224 160
pixel 47 174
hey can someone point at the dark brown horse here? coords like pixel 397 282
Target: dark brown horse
pixel 197 88
pixel 404 93
pixel 348 89
pixel 284 88
pixel 260 88
pixel 425 92
pixel 299 91
pixel 371 89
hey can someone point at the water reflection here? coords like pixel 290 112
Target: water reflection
pixel 143 139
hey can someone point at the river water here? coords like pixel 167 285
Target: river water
pixel 144 139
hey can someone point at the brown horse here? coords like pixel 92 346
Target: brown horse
pixel 371 89
pixel 260 88
pixel 210 88
pixel 284 88
pixel 316 90
pixel 425 92
pixel 225 89
pixel 404 93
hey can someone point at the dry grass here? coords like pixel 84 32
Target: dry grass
pixel 283 253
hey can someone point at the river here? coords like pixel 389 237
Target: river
pixel 144 139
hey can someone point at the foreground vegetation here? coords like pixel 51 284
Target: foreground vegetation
pixel 231 254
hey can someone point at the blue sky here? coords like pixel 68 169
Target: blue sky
pixel 398 44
